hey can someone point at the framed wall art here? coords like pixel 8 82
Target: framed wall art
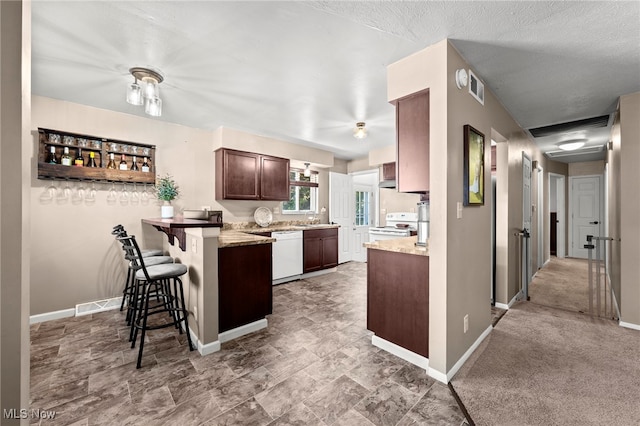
pixel 473 192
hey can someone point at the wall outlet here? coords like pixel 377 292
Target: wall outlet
pixel 276 210
pixel 466 323
pixel 194 245
pixel 459 210
pixel 195 311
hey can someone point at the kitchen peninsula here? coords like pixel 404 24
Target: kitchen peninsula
pixel 230 273
pixel 398 298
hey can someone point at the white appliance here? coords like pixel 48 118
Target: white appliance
pixel 401 224
pixel 286 255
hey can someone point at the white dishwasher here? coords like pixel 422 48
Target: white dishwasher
pixel 287 255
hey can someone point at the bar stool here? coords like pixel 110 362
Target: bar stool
pixel 119 230
pixel 157 254
pixel 155 282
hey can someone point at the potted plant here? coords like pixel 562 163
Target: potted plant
pixel 167 190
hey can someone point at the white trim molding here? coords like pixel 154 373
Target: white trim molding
pixel 629 325
pixel 468 353
pixel 514 300
pixel 203 349
pixel 400 352
pixel 50 316
pixel 234 333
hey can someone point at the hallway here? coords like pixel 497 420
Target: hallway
pixel 563 283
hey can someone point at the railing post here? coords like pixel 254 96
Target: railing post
pixel 589 246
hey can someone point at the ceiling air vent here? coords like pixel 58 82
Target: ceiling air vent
pixel 586 150
pixel 570 126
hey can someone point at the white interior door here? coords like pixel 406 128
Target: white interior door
pixel 585 212
pixel 363 218
pixel 526 222
pixel 341 212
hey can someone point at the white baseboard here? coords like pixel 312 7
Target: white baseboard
pixel 629 325
pixel 50 316
pixel 467 354
pixel 514 300
pixel 441 377
pixel 400 352
pixel 204 349
pixel 242 330
pixel 98 306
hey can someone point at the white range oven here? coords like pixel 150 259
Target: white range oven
pixel 398 225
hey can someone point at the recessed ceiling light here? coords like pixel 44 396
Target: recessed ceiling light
pixel 572 145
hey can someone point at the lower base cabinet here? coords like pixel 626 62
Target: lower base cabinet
pixel 320 247
pixel 398 299
pixel 244 285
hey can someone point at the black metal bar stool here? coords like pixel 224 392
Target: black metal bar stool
pixel 154 282
pixel 128 290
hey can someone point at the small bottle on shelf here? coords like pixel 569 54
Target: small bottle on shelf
pixel 145 165
pixel 79 161
pixel 51 157
pixel 112 163
pixel 134 164
pixel 66 158
pixel 92 159
pixel 123 163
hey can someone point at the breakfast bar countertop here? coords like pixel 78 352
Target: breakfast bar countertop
pixel 400 245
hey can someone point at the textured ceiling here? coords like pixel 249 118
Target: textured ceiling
pixel 307 71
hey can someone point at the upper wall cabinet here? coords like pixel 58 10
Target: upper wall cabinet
pixel 248 176
pixel 65 155
pixel 412 127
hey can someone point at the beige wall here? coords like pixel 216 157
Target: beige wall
pixel 15 86
pixel 615 202
pixel 74 259
pixel 630 208
pixel 454 291
pixel 586 168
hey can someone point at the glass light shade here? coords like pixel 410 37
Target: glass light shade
pixel 360 132
pixel 150 88
pixel 153 106
pixel 134 94
pixel 307 170
pixel 571 146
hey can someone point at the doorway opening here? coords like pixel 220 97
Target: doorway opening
pixel 557 215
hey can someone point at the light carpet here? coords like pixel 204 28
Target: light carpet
pixel 545 366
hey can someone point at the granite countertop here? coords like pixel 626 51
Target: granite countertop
pixel 234 238
pixel 234 234
pixel 400 245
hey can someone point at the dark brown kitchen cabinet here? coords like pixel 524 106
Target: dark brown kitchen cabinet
pixel 398 299
pixel 249 176
pixel 412 131
pixel 389 171
pixel 244 293
pixel 274 178
pixel 320 249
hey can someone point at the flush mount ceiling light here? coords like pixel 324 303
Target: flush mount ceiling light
pixel 147 92
pixel 572 145
pixel 360 132
pixel 307 170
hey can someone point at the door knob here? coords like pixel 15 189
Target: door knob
pixel 594 223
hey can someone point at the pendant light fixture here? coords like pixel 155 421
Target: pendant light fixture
pixel 360 132
pixel 307 170
pixel 146 92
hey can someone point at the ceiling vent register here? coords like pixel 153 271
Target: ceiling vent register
pixel 570 126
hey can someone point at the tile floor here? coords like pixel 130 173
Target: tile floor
pixel 313 365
